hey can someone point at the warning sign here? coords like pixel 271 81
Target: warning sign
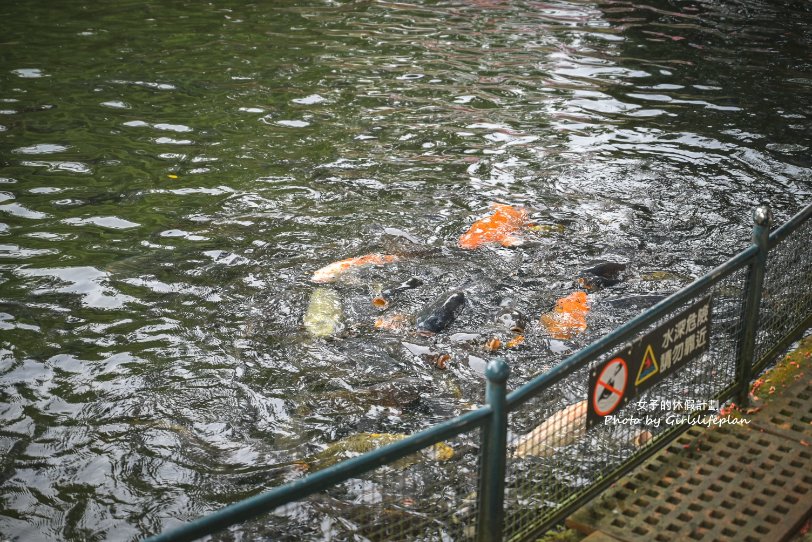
pixel 610 386
pixel 648 367
pixel 651 358
pixel 671 345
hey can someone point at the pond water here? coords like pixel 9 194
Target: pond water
pixel 174 172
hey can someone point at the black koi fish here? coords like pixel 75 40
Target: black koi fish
pixel 382 301
pixel 440 314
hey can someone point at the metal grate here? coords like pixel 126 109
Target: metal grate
pixel 733 485
pixel 426 496
pixel 545 475
pixel 728 484
pixel 787 291
pixel 790 415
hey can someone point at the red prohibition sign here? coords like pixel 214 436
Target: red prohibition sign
pixel 610 387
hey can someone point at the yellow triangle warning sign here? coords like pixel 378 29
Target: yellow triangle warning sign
pixel 648 367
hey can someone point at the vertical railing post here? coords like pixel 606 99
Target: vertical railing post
pixel 494 452
pixel 755 281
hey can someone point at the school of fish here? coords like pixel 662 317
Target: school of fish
pixel 503 226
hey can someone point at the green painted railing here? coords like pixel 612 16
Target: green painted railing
pixel 515 487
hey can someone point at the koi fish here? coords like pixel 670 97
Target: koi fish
pixel 439 315
pixel 392 322
pixel 561 429
pixel 512 320
pixel 354 445
pixel 382 301
pixel 324 315
pixel 600 276
pixel 331 272
pixel 515 341
pixel 500 227
pixel 568 318
pixel 493 344
pixel 641 437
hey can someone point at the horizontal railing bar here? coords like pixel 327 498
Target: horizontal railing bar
pixel 628 329
pixel 268 501
pixel 790 226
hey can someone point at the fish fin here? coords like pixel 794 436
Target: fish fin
pixel 511 241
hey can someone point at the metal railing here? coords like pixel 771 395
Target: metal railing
pixel 497 473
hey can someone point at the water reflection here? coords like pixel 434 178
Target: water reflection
pixel 174 175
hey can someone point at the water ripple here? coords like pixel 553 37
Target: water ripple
pixel 111 222
pixel 18 252
pixel 88 282
pixel 15 209
pixel 174 177
pixel 71 167
pixel 42 148
pixel 29 73
pixel 147 84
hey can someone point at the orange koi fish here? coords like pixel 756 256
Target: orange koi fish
pixel 515 341
pixel 498 227
pixel 331 272
pixel 568 318
pixel 392 322
pixel 493 345
pixel 561 429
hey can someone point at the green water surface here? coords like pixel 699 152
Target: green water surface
pixel 172 173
